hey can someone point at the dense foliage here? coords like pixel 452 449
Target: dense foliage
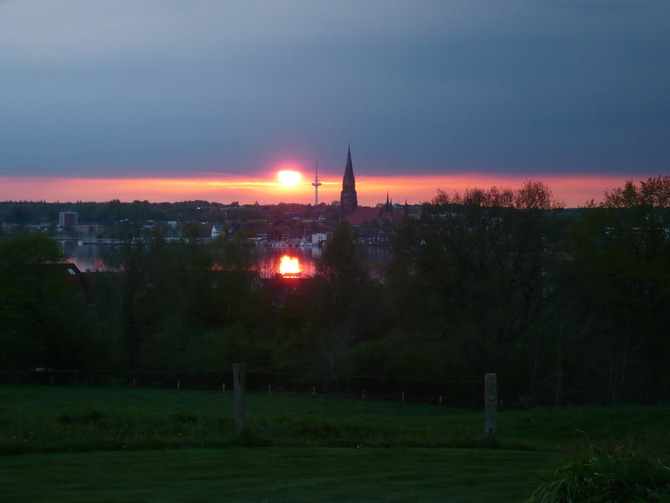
pixel 606 476
pixel 567 306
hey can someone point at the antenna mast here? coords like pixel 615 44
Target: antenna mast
pixel 316 183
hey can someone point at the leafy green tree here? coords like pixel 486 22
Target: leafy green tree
pixel 616 288
pixel 471 272
pixel 340 260
pixel 652 193
pixel 233 254
pixel 138 259
pixel 169 301
pixel 42 305
pixel 340 304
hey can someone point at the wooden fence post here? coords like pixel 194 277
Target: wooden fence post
pixel 239 383
pixel 490 405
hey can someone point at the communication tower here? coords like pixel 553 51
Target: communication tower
pixel 316 183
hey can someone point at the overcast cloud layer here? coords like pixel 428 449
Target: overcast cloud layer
pixel 115 87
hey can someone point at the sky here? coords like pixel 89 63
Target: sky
pixel 170 100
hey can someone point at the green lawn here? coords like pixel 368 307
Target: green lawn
pixel 57 419
pixel 116 444
pixel 303 474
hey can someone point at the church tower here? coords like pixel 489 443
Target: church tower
pixel 348 199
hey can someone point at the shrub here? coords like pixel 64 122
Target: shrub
pixel 595 476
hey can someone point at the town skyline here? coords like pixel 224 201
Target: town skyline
pixel 572 191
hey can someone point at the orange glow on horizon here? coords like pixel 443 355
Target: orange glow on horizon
pixel 289 267
pixel 573 190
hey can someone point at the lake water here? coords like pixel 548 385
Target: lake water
pixel 87 257
pixel 94 257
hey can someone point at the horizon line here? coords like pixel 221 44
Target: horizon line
pixel 572 190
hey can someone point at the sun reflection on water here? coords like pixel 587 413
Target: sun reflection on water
pixel 289 267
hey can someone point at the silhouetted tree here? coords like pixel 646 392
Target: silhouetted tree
pixel 42 305
pixel 474 264
pixel 616 287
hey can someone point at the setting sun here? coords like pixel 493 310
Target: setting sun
pixel 288 177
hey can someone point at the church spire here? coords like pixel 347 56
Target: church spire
pixel 348 198
pixel 349 171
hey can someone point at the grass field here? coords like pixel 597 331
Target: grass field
pixel 292 474
pixel 104 444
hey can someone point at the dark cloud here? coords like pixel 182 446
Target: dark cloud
pixel 120 87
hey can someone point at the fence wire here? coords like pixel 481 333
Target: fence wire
pixel 448 393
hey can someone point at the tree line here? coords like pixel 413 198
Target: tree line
pixel 567 306
pixel 114 211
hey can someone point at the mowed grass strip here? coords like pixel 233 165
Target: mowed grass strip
pixel 295 474
pixel 60 419
pixel 56 419
pixel 387 451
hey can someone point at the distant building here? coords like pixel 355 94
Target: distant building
pixel 358 216
pixel 319 238
pixel 382 214
pixel 68 219
pixel 68 275
pixel 217 230
pixel 348 197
